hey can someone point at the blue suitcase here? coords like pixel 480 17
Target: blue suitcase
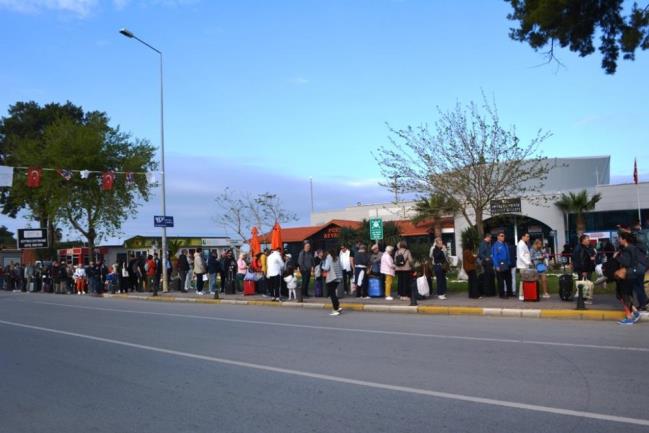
pixel 375 287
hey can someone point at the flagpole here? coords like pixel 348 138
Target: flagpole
pixel 637 193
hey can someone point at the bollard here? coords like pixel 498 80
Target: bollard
pixel 580 297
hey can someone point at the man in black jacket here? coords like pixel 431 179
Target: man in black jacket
pixel 213 268
pixel 306 263
pixel 183 268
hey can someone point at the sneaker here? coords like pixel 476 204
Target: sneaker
pixel 389 298
pixel 546 296
pixel 442 297
pixel 340 310
pixel 626 322
pixel 199 293
pixel 636 317
pixel 335 313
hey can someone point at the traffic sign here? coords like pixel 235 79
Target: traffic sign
pixel 32 238
pixel 376 229
pixel 163 221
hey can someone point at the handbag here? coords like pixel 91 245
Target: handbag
pixel 422 286
pixel 124 272
pixel 620 274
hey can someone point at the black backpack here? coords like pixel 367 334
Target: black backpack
pixel 400 260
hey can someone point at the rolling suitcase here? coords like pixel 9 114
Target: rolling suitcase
pixel 375 287
pixel 530 291
pixel 565 287
pixel 248 287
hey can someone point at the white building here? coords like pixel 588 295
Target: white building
pixel 538 214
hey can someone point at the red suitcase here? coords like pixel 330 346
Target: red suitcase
pixel 248 287
pixel 530 291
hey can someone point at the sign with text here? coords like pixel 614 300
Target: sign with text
pixel 376 229
pixel 505 205
pixel 32 238
pixel 163 221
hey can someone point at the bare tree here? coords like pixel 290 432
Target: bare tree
pixel 239 211
pixel 469 157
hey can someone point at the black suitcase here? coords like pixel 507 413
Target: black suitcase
pixel 565 287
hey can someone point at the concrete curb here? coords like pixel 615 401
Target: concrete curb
pixel 608 315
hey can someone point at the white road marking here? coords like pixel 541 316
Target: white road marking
pixel 344 380
pixel 361 331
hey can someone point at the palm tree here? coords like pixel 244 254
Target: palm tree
pixel 578 203
pixel 434 208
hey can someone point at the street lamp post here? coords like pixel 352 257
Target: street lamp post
pixel 165 286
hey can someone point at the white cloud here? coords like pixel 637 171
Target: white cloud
pixel 81 8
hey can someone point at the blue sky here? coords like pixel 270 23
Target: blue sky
pixel 263 95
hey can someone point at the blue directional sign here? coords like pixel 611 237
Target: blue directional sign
pixel 163 221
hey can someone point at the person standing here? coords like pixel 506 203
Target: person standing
pixel 346 258
pixel 583 259
pixel 388 270
pixel 158 273
pixel 523 259
pixel 538 262
pixel 500 256
pixel 403 268
pixel 199 270
pixel 150 269
pixel 242 269
pixel 275 265
pixel 333 269
pixel 306 263
pixel 213 269
pixel 361 265
pixel 182 266
pixel 439 259
pixel 470 267
pixel 486 278
pixel 512 270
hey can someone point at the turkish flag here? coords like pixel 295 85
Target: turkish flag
pixel 635 171
pixel 107 180
pixel 34 176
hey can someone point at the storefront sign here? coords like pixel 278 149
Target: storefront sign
pixel 32 238
pixel 505 206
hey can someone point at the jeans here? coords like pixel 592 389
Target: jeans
pixel 275 284
pixel 182 275
pixel 638 288
pixel 239 281
pixel 440 278
pixel 361 289
pixel 403 283
pixel 347 275
pixel 332 286
pixel 306 279
pixel 504 283
pixel 212 284
pixel 199 282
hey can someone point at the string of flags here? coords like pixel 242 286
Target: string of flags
pixel 107 178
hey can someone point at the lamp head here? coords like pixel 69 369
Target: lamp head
pixel 127 33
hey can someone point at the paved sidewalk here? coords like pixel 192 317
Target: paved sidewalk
pixel 604 307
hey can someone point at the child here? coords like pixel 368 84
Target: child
pixel 291 283
pixel 112 280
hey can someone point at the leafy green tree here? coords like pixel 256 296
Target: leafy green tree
pixel 23 128
pixel 470 238
pixel 578 204
pixel 73 140
pixel 575 23
pixel 434 208
pixel 350 236
pixel 7 239
pixel 469 157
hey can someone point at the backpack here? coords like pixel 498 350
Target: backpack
pixel 640 264
pixel 400 259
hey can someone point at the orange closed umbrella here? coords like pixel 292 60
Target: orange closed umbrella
pixel 255 246
pixel 276 237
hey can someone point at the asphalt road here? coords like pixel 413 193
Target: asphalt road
pixel 81 364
